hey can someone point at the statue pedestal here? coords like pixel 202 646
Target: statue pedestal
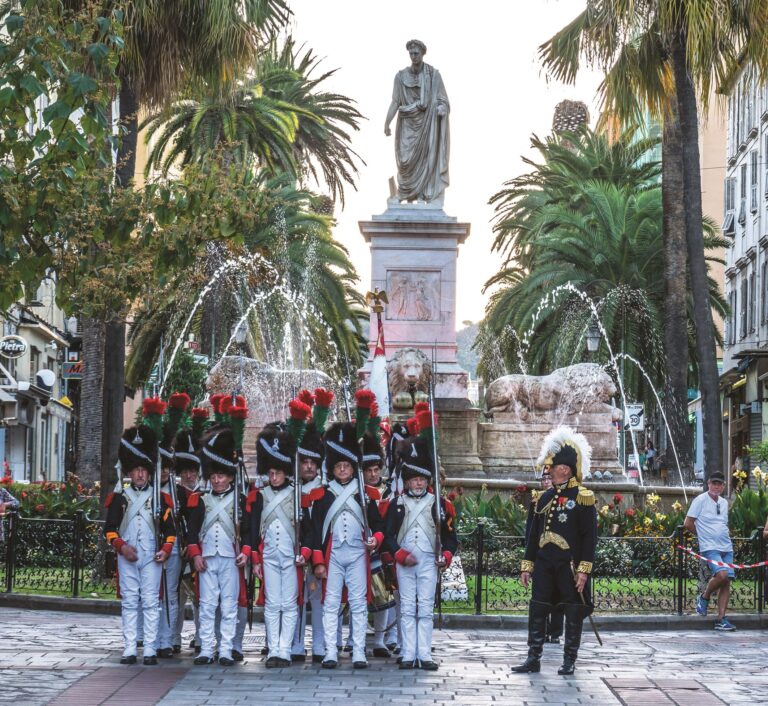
pixel 508 445
pixel 414 249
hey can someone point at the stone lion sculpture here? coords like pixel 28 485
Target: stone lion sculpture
pixel 408 370
pixel 584 387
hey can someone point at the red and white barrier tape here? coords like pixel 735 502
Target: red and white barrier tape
pixel 722 563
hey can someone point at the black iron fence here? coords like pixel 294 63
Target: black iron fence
pixel 631 574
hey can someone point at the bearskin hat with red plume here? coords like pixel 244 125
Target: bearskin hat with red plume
pixel 218 454
pixel 372 455
pixel 138 447
pixel 275 450
pixel 341 445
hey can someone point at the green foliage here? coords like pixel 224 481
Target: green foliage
pixel 499 514
pixel 69 58
pixel 584 227
pixel 54 500
pixel 750 507
pixel 186 376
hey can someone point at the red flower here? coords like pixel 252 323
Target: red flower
pixel 561 501
pixel 23 494
pixel 40 507
pixel 452 495
pixel 522 488
pixel 618 499
pixel 630 512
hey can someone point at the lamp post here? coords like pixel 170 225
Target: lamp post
pixel 593 337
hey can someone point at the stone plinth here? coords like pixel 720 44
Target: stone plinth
pixel 509 446
pixel 414 249
pixel 458 442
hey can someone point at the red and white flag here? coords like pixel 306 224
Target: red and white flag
pixel 378 381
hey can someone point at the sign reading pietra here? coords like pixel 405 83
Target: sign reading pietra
pixel 12 346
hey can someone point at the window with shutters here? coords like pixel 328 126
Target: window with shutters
pixel 743 307
pixel 743 194
pixel 753 181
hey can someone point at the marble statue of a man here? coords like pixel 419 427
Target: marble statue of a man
pixel 422 137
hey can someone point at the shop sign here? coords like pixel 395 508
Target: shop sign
pixel 12 346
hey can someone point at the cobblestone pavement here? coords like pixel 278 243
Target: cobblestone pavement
pixel 69 658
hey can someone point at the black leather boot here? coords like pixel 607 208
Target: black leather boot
pixel 537 630
pixel 574 622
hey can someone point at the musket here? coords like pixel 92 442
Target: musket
pixel 298 512
pixel 156 513
pixel 436 487
pixel 239 473
pixel 345 386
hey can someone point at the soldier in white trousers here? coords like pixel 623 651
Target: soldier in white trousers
pixel 412 524
pixel 340 551
pixel 130 529
pixel 310 459
pixel 372 463
pixel 212 546
pixel 277 560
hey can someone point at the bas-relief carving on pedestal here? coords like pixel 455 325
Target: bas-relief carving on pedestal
pixel 413 295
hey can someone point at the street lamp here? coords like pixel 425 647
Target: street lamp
pixel 239 333
pixel 593 337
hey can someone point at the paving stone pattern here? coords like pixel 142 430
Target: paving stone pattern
pixel 67 658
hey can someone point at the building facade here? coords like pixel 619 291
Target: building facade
pixel 38 367
pixel 745 226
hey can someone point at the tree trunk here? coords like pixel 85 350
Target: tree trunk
pixel 675 303
pixel 709 382
pixel 89 439
pixel 111 395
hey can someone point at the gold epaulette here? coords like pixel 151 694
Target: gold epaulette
pixel 585 496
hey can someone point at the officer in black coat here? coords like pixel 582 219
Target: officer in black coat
pixel 560 548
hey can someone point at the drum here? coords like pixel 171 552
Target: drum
pixel 382 594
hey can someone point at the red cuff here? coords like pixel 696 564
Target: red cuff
pixel 167 547
pixel 400 555
pixel 245 549
pixel 318 559
pixel 118 544
pixel 306 552
pixel 255 558
pixel 193 550
pixel 379 537
pixel 448 558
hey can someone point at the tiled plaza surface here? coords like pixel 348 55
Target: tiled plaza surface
pixel 72 659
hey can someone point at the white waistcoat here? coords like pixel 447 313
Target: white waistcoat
pixel 277 529
pixel 418 528
pixel 217 535
pixel 137 527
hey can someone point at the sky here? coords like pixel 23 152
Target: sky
pixel 486 53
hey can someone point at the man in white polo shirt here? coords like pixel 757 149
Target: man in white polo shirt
pixel 707 518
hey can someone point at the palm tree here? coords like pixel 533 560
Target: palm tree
pixel 168 45
pixel 280 118
pixel 659 55
pixel 607 246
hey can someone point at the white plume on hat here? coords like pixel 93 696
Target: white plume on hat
pixel 565 436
